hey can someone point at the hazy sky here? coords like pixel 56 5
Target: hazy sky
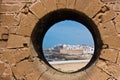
pixel 67 32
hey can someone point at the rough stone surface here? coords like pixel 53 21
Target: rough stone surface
pixel 81 4
pixel 107 29
pixel 117 24
pixel 8 20
pixel 49 5
pixel 118 59
pixel 25 27
pixel 61 4
pixel 8 8
pixel 71 4
pixel 2 68
pixel 108 16
pixel 111 41
pixel 3 30
pixel 96 72
pixel 19 60
pixel 24 72
pixel 93 8
pixel 16 41
pixel 108 54
pixel 38 9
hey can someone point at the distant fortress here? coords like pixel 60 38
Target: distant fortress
pixel 64 51
pixel 63 48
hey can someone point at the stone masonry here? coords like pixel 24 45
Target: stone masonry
pixel 18 61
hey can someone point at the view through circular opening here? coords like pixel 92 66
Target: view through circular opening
pixel 68 46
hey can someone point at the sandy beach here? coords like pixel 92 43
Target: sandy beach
pixel 69 66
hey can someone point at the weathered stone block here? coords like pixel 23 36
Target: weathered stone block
pixel 46 74
pixel 97 74
pixel 82 4
pixel 117 24
pixel 21 54
pixel 101 64
pixel 97 19
pixel 2 68
pixel 113 70
pixel 3 44
pixel 15 41
pixel 106 1
pixel 107 29
pixel 8 20
pixel 111 41
pixel 9 55
pixel 118 59
pixel 3 30
pixel 93 8
pixel 24 69
pixel 14 56
pixel 71 4
pixel 61 4
pixel 50 5
pixel 5 37
pixel 34 74
pixel 116 7
pixel 27 25
pixel 8 8
pixel 17 1
pixel 108 16
pixel 12 29
pixel 38 9
pixel 6 77
pixel 109 54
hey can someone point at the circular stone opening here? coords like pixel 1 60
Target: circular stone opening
pixel 68 46
pixel 47 23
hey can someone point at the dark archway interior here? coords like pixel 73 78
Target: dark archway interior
pixel 60 15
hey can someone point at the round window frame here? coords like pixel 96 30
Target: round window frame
pixel 51 18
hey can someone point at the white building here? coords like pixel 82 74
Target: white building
pixel 86 49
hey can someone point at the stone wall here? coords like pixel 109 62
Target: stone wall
pixel 18 60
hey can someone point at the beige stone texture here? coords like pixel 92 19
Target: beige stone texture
pixel 38 9
pixel 14 56
pixel 71 4
pixel 61 4
pixel 47 73
pixel 3 44
pixel 17 1
pixel 8 20
pixel 107 29
pixel 109 15
pixel 26 71
pixel 111 41
pixel 50 5
pixel 2 68
pixel 81 4
pixel 108 0
pixel 113 70
pixel 93 8
pixel 13 29
pixel 118 59
pixel 101 64
pixel 3 30
pixel 15 41
pixel 116 7
pixel 26 28
pixel 8 8
pixel 117 24
pixel 108 54
pixel 96 73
